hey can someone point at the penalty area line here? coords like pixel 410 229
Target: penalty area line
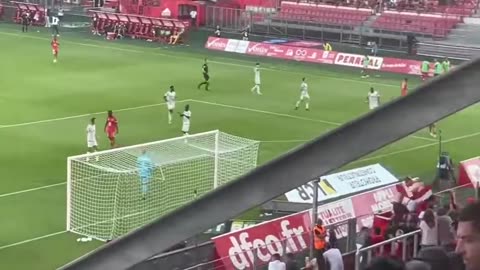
pixel 31 189
pixel 31 240
pixel 85 115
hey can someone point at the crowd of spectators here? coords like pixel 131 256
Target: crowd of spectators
pixel 449 239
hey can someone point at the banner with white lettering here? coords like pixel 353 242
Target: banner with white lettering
pixel 343 183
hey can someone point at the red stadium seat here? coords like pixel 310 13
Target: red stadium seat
pixel 323 14
pixel 435 26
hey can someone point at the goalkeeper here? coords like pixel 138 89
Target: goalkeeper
pixel 145 171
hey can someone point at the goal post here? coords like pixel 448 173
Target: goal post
pixel 108 194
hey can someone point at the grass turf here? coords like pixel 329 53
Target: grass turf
pixel 94 75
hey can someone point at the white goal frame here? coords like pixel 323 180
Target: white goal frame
pixel 82 160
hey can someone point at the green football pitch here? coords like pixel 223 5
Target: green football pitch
pixel 45 107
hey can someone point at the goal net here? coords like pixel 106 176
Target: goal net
pixel 108 194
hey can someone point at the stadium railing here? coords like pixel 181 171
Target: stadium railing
pixel 341 28
pixel 345 242
pixel 462 195
pixel 457 52
pixel 407 244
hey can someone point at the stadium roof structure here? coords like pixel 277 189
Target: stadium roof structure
pixel 434 100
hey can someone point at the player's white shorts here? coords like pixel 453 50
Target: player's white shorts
pixel 186 127
pixel 170 106
pixel 373 106
pixel 257 82
pixel 304 95
pixel 91 143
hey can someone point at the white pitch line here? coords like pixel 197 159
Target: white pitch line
pixel 31 189
pixel 31 240
pixel 84 115
pixel 143 51
pixel 283 141
pixel 289 116
pixel 417 147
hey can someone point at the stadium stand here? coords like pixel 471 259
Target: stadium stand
pixel 327 14
pixel 1 11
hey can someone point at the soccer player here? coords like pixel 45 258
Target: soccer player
pixel 425 69
pixel 145 171
pixel 54 26
pixel 432 129
pixel 186 115
pixel 256 87
pixel 206 77
pixel 373 99
pixel 303 95
pixel 438 68
pixel 170 97
pixel 446 65
pixel 92 145
pixel 111 128
pixel 404 88
pixel 55 47
pixel 366 63
pixel 25 18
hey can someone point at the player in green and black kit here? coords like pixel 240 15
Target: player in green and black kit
pixel 425 70
pixel 206 77
pixel 446 65
pixel 366 63
pixel 438 68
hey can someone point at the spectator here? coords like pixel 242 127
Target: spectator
pixel 385 264
pixel 417 265
pixel 319 243
pixel 218 31
pixel 446 237
pixel 291 263
pixel 456 261
pixel 377 236
pixel 436 257
pixel 332 238
pixel 429 228
pixel 468 236
pixel 333 258
pixel 276 263
pixel 193 17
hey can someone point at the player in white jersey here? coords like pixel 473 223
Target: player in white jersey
pixel 186 115
pixel 256 87
pixel 169 98
pixel 304 96
pixel 92 138
pixel 373 99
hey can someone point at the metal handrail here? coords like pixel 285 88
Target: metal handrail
pixel 403 238
pixel 389 241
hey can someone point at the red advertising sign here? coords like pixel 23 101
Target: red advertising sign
pixel 237 248
pixel 469 172
pixel 300 53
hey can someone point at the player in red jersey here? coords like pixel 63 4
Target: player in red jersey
pixel 55 47
pixel 111 128
pixel 404 90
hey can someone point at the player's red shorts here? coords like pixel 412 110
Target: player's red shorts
pixel 111 134
pixel 404 92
